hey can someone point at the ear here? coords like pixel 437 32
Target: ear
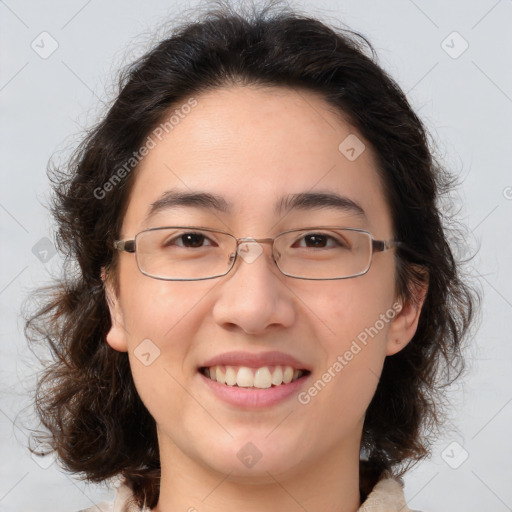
pixel 404 324
pixel 116 336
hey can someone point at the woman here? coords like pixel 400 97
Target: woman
pixel 261 305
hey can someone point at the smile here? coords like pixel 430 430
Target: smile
pixel 245 377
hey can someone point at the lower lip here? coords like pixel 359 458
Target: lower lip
pixel 252 398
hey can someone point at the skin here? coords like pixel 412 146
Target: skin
pixel 254 145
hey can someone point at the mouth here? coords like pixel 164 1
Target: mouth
pixel 264 377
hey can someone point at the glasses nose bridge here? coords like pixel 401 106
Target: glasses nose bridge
pixel 247 240
pixel 255 240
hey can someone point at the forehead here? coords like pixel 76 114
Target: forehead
pixel 254 146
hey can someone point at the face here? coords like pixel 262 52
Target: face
pixel 255 147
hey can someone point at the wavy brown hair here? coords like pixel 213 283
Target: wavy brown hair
pixel 86 399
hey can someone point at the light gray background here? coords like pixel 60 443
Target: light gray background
pixel 467 104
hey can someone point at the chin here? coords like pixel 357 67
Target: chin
pixel 254 457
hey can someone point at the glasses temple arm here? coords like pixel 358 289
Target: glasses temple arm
pixel 125 245
pixel 384 245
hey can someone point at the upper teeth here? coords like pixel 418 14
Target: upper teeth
pixel 245 377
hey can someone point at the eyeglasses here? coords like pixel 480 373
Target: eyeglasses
pixel 180 253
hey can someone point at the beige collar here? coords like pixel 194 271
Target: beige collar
pixel 386 496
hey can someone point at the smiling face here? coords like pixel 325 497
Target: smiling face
pixel 254 149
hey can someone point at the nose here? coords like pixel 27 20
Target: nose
pixel 254 296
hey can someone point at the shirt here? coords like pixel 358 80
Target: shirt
pixel 386 496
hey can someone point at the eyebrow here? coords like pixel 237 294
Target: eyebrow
pixel 301 201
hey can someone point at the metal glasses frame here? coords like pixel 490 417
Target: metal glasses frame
pixel 130 246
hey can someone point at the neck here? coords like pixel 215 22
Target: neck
pixel 327 485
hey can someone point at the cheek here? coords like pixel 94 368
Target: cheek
pixel 159 335
pixel 161 320
pixel 345 384
pixel 353 317
pixel 154 308
pixel 347 308
pixel 153 312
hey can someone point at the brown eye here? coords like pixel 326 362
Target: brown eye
pixel 319 241
pixel 190 240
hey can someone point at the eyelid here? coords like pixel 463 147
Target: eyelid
pixel 177 235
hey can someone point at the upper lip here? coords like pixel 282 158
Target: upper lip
pixel 251 360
